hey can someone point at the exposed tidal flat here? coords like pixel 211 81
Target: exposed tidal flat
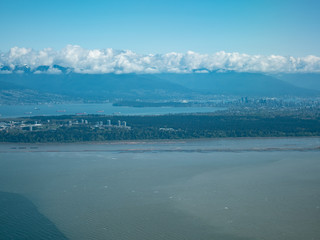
pixel 225 189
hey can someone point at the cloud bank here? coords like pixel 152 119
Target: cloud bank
pixel 81 60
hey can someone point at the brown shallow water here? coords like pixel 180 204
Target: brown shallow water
pixel 229 189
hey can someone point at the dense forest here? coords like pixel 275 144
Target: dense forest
pixel 177 126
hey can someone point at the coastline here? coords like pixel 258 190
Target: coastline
pixel 152 141
pixel 178 127
pixel 259 144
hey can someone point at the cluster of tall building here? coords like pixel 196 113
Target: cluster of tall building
pixel 19 125
pixel 119 124
pixel 98 124
pixel 22 125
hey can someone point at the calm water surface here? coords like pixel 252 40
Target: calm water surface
pixel 103 108
pixel 228 189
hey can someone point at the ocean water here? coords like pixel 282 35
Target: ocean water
pixel 224 189
pixel 20 220
pixel 102 108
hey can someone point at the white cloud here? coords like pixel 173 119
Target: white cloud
pixel 124 61
pixel 50 70
pixel 5 72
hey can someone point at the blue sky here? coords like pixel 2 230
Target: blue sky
pixel 283 27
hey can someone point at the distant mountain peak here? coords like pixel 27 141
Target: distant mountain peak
pixel 94 61
pixel 40 69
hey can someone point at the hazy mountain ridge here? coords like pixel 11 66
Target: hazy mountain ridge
pixel 239 83
pixel 304 80
pixel 101 87
pixel 97 87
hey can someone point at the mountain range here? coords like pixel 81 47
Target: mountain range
pixel 166 86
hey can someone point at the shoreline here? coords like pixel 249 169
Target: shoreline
pixel 96 129
pixel 151 141
pixel 259 144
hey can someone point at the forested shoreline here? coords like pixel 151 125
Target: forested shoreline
pixel 175 126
